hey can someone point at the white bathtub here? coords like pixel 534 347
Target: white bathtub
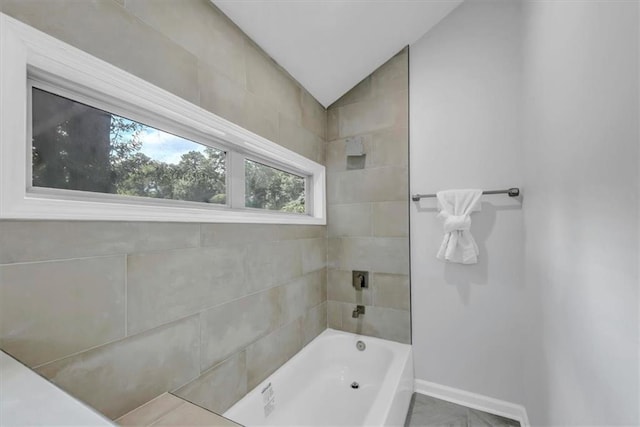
pixel 314 387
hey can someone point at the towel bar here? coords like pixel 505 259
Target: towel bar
pixel 512 192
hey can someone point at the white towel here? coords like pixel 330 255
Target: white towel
pixel 455 207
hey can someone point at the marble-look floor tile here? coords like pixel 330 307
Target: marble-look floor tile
pixel 429 411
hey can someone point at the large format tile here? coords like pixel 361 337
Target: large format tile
pixel 24 241
pixel 391 290
pixel 390 147
pixel 272 351
pixel 368 185
pixel 314 254
pixel 270 82
pixel 106 30
pixel 392 76
pixel 220 387
pixel 299 139
pixel 224 234
pixel 302 294
pixel 386 323
pixel 332 124
pixel 373 254
pixel 49 310
pixel 373 114
pixel 164 286
pixel 334 314
pixel 261 117
pixel 192 415
pixel 230 327
pixel 314 322
pixel 199 28
pixel 118 377
pixel 221 95
pixel 359 92
pixel 391 219
pixel 151 411
pixel 314 115
pixel 352 219
pixel 272 263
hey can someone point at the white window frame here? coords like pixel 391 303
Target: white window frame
pixel 28 55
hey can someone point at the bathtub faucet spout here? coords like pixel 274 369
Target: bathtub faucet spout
pixel 358 311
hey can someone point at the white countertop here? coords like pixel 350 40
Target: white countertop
pixel 28 399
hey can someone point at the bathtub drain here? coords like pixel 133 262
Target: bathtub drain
pixel 355 385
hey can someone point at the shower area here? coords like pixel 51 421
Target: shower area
pixel 531 105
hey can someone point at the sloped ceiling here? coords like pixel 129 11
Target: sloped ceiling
pixel 330 45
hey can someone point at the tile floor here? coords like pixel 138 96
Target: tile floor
pixel 429 411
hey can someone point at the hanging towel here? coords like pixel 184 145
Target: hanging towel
pixel 455 207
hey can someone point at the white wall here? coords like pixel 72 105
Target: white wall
pixel 465 133
pixel 581 211
pixel 549 317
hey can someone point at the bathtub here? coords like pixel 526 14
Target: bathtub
pixel 314 388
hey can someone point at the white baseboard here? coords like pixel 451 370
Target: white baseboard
pixel 474 401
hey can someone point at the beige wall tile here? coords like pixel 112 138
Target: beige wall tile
pixel 272 263
pixel 270 83
pixel 379 322
pixel 391 219
pixel 24 241
pixel 332 124
pixel 49 310
pixel 393 76
pixel 373 114
pixel 192 415
pixel 270 352
pixel 225 234
pixel 164 286
pixel 340 288
pixel 349 220
pixel 373 254
pixel 118 377
pixel 359 92
pixel 314 322
pixel 391 290
pixel 314 254
pixel 150 412
pixel 205 63
pixel 230 327
pixel 334 314
pixel 368 185
pixel 105 29
pixel 220 387
pixel 221 95
pixel 298 138
pixel 261 117
pixel 314 115
pixel 390 147
pixel 302 294
pixel 200 28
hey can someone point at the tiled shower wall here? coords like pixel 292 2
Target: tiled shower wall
pixel 368 208
pixel 117 313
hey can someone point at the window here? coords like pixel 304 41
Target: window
pixel 87 140
pixel 271 188
pixel 79 147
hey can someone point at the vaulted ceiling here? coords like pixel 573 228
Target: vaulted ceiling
pixel 330 45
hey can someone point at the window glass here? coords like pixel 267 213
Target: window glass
pixel 78 147
pixel 273 189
